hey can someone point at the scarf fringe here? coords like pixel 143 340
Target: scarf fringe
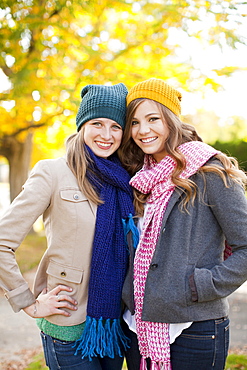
pixel 143 364
pixel 154 365
pixel 101 338
pixel 129 226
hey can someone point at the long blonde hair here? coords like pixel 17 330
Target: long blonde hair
pixel 132 156
pixel 78 160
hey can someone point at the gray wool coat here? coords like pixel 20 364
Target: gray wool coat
pixel 188 279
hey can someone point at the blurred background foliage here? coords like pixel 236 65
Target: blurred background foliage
pixel 50 49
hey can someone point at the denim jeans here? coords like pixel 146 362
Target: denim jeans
pixel 59 355
pixel 204 346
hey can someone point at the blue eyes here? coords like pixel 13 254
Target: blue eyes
pixel 99 124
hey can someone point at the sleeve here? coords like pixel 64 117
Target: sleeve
pixel 229 206
pixel 15 224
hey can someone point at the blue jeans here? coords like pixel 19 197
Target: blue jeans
pixel 59 355
pixel 204 346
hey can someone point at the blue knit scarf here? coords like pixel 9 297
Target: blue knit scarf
pixel 102 335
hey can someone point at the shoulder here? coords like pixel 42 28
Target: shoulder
pixel 51 166
pixel 50 171
pixel 51 163
pixel 218 184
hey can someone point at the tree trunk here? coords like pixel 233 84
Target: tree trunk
pixel 18 155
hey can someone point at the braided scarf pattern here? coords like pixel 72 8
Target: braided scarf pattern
pixel 155 179
pixel 102 334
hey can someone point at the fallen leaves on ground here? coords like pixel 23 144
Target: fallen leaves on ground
pixel 25 357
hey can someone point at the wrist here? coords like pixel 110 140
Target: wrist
pixel 32 310
pixel 35 309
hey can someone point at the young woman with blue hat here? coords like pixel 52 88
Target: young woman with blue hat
pixel 86 203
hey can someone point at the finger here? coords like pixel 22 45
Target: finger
pixel 60 288
pixel 68 302
pixel 65 304
pixel 44 291
pixel 61 312
pixel 64 297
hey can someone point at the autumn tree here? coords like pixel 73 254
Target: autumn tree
pixel 51 48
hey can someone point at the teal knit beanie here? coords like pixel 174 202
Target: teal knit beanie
pixel 99 101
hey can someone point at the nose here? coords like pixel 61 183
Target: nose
pixel 106 133
pixel 144 128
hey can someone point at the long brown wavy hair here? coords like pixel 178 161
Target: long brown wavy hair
pixel 132 156
pixel 78 160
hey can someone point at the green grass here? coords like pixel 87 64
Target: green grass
pixel 37 363
pixel 238 362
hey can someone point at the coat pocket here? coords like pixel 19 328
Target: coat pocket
pixel 72 195
pixel 61 274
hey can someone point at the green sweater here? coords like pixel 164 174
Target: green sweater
pixel 66 333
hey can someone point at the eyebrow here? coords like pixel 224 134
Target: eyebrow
pixel 149 114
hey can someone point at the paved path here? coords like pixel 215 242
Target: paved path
pixel 238 317
pixel 19 331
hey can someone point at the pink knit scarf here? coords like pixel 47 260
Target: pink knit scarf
pixel 155 179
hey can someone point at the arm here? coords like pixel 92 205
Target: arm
pixel 14 226
pixel 229 206
pixel 34 199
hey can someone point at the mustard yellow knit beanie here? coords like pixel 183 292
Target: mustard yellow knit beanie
pixel 159 91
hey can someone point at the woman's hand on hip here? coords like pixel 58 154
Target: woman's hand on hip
pixel 52 303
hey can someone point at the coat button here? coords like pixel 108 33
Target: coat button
pixel 154 266
pixel 63 273
pixel 76 196
pixel 164 229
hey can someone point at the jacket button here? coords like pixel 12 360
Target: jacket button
pixel 63 273
pixel 164 229
pixel 76 196
pixel 154 266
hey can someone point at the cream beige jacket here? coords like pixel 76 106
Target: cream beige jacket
pixel 69 220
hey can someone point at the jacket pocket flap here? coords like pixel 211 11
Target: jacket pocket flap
pixel 72 195
pixel 64 273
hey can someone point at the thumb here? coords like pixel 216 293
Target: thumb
pixel 44 291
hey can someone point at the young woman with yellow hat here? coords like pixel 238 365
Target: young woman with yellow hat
pixel 191 200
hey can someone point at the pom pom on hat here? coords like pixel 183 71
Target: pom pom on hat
pixel 158 90
pixel 100 101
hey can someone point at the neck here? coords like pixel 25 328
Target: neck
pixel 158 158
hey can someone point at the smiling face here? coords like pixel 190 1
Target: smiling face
pixel 103 136
pixel 149 131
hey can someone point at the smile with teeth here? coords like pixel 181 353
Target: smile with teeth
pixel 149 139
pixel 105 145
